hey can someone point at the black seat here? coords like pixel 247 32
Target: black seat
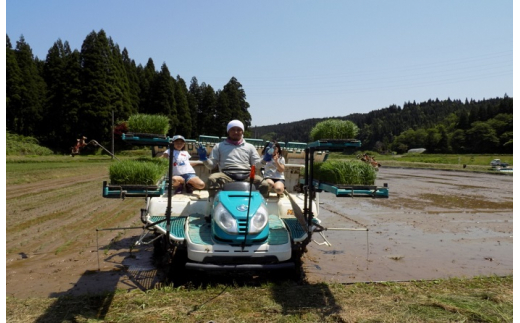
pixel 237 174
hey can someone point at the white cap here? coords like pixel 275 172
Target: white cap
pixel 235 123
pixel 178 137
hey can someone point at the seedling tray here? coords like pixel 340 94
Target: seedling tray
pixel 146 139
pixel 130 190
pixel 334 144
pixel 349 190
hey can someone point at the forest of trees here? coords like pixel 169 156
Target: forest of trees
pixel 74 93
pixel 449 126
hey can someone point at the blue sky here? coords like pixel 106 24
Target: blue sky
pixel 299 59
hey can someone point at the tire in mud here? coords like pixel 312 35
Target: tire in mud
pixel 298 274
pixel 177 275
pixel 161 256
pixel 295 274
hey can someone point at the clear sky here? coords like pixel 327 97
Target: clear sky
pixel 298 59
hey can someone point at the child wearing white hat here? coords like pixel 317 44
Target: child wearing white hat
pixel 183 171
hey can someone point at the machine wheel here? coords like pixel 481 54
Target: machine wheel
pixel 298 274
pixel 161 255
pixel 177 273
pixel 295 274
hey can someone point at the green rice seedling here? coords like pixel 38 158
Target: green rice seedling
pixel 334 129
pixel 148 123
pixel 345 172
pixel 163 162
pixel 368 174
pixel 138 172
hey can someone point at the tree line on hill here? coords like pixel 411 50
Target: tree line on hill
pixel 74 93
pixel 449 126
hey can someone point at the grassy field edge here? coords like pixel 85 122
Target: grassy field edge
pixel 477 299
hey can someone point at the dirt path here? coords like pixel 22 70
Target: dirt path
pixel 436 224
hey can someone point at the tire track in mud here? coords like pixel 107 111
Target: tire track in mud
pixel 35 188
pixel 56 215
pixel 74 227
pixel 51 229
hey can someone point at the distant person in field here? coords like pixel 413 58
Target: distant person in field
pixel 370 160
pixel 183 171
pixel 274 167
pixel 80 143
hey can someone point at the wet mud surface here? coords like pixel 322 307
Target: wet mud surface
pixel 435 224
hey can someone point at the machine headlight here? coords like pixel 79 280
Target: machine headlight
pixel 259 220
pixel 225 220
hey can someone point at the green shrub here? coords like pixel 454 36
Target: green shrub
pixel 148 123
pixel 143 171
pixel 22 145
pixel 345 172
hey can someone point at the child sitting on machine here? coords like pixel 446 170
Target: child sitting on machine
pixel 183 171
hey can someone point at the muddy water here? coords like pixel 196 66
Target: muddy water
pixel 435 224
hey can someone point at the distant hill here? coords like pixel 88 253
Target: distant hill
pixel 383 126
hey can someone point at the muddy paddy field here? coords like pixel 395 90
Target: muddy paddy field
pixel 61 235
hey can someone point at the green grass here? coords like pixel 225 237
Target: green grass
pixel 22 145
pixel 473 162
pixel 139 152
pixel 25 169
pixel 482 160
pixel 479 299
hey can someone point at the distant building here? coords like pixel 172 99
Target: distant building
pixel 417 150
